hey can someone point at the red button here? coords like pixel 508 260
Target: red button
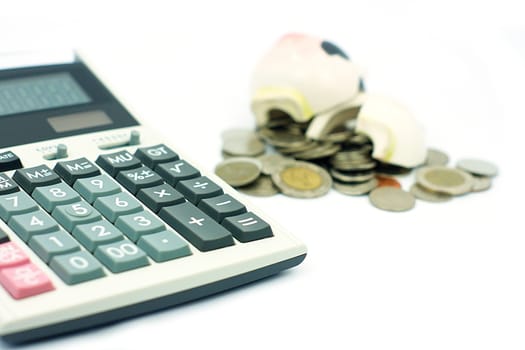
pixel 11 255
pixel 25 280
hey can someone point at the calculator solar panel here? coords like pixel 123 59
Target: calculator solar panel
pixel 101 219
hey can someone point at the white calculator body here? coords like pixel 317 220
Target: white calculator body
pixel 101 219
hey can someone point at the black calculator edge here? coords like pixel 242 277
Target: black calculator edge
pixel 151 305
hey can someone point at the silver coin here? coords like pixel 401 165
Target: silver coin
pixel 242 143
pixel 392 199
pixel 343 176
pixel 446 180
pixel 481 183
pixel 238 171
pixel 306 146
pixel 262 187
pixel 429 196
pixel 273 162
pixel 436 157
pixel 477 167
pixel 355 166
pixel 322 151
pixel 355 189
pixel 338 136
pixel 302 180
pixel 283 137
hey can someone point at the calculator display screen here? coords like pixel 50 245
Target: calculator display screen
pixel 79 121
pixel 40 92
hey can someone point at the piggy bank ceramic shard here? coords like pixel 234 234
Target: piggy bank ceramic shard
pixel 300 78
pixel 397 137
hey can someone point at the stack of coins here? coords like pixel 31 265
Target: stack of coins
pixel 303 168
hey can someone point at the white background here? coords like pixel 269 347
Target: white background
pixel 442 276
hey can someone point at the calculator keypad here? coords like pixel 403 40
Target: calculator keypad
pixel 79 220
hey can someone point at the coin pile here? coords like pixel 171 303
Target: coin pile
pixel 304 168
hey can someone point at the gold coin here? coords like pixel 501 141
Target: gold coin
pixel 301 178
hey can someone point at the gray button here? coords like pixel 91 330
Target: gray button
pixel 121 256
pixel 97 233
pixel 16 203
pixel 118 161
pixel 76 267
pixel 174 172
pixel 116 205
pixel 138 224
pixel 51 244
pixel 221 206
pixel 135 179
pixel 7 185
pixel 160 196
pixel 154 155
pixel 72 170
pixel 33 223
pixel 30 178
pixel 198 228
pixel 71 215
pixel 97 186
pixel 247 227
pixel 199 188
pixel 51 196
pixel 163 246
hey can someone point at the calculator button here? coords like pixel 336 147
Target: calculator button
pixel 97 233
pixel 25 280
pixel 16 203
pixel 154 155
pixel 77 267
pixel 135 179
pixel 121 256
pixel 139 224
pixel 3 236
pixel 11 255
pixel 221 206
pixel 174 172
pixel 199 188
pixel 30 224
pixel 71 215
pixel 163 246
pixel 51 196
pixel 160 196
pixel 7 185
pixel 198 228
pixel 247 227
pixel 118 161
pixel 72 170
pixel 30 178
pixel 94 187
pixel 116 205
pixel 9 161
pixel 56 243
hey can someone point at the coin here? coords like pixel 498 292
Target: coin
pixel 478 167
pixel 346 176
pixel 273 162
pixel 321 151
pixel 302 180
pixel 481 183
pixel 356 188
pixel 436 157
pixel 238 171
pixel 442 179
pixel 430 196
pixel 387 181
pixel 262 187
pixel 392 199
pixel 240 142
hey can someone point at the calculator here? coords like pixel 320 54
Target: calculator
pixel 101 219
